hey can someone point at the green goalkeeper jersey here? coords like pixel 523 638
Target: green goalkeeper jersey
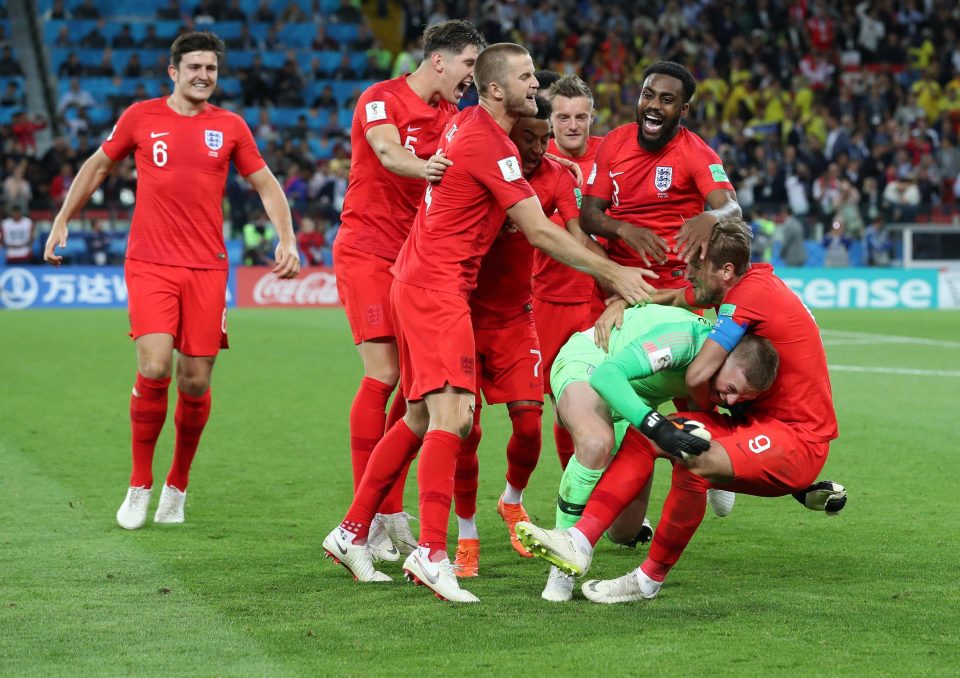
pixel 648 359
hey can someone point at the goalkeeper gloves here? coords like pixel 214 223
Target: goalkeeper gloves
pixel 678 437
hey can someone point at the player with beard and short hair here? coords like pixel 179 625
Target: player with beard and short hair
pixel 435 273
pixel 176 266
pixel 509 361
pixel 395 133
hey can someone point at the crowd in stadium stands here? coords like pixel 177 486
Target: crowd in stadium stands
pixel 831 118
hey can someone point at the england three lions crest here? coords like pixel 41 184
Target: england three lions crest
pixel 214 139
pixel 664 178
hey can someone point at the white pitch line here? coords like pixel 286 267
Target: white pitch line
pixel 894 370
pixel 889 338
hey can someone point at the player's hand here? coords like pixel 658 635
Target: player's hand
pixel 287 259
pixel 57 238
pixel 629 283
pixel 694 236
pixel 570 165
pixel 610 318
pixel 647 244
pixel 678 437
pixel 436 165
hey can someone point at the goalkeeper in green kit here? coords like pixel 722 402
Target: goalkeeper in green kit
pixel 600 395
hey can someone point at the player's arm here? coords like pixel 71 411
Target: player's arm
pixel 385 142
pixel 573 228
pixel 695 233
pixel 595 221
pixel 570 165
pixel 560 245
pixel 612 381
pixel 278 211
pixel 92 173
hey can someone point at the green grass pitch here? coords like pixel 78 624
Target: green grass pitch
pixel 242 588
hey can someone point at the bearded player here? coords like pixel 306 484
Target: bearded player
pixel 176 265
pixel 396 129
pixel 509 362
pixel 435 274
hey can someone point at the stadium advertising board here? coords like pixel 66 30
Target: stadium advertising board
pixel 257 286
pixel 27 287
pixel 867 287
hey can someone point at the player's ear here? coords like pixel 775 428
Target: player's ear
pixel 436 60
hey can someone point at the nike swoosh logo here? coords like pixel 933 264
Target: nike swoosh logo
pixel 614 175
pixel 342 550
pixel 154 135
pixel 433 579
pixel 413 129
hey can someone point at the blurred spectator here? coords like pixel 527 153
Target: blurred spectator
pixel 293 14
pixel 265 130
pixel 12 97
pixel 347 13
pixel 258 237
pixel 263 14
pixel 344 70
pixel 24 131
pixel 16 233
pixel 846 207
pixel 95 39
pixel 71 68
pixel 206 12
pixel 61 184
pixel 76 96
pixel 56 11
pixel 105 68
pixel 87 10
pixel 311 242
pixel 902 198
pixel 326 100
pixel 323 42
pixel 153 41
pixel 879 249
pixel 98 243
pixel 793 249
pixel 16 188
pixel 133 69
pixel 761 245
pixel 295 188
pixel 408 60
pixel 256 83
pixel 836 245
pixel 124 39
pixel 8 65
pixel 290 85
pixel 234 12
pixel 245 41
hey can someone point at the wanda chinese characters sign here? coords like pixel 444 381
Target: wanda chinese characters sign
pixel 314 287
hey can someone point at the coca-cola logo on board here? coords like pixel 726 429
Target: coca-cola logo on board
pixel 314 289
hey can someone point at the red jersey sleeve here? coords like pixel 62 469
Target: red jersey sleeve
pixel 501 173
pixel 599 184
pixel 121 141
pixel 378 106
pixel 246 155
pixel 566 196
pixel 708 172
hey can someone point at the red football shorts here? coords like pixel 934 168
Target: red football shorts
pixel 768 458
pixel 363 283
pixel 187 303
pixel 555 324
pixel 434 339
pixel 510 363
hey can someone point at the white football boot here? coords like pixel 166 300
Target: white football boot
pixel 559 588
pixel 132 513
pixel 626 589
pixel 170 508
pixel 721 502
pixel 381 546
pixel 555 546
pixel 438 577
pixel 355 557
pixel 398 528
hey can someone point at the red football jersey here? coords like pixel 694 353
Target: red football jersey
pixel 657 191
pixel 801 396
pixel 380 206
pixel 503 294
pixel 460 216
pixel 182 164
pixel 552 281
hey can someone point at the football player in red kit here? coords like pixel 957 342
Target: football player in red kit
pixel 773 447
pixel 435 274
pixel 395 133
pixel 176 266
pixel 509 361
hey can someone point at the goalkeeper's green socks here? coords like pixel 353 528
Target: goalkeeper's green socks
pixel 576 485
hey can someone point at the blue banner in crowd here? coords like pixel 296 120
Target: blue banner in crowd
pixel 863 287
pixel 71 287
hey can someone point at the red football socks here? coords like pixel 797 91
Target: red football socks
pixel 148 412
pixel 467 476
pixel 367 418
pixel 438 463
pixel 682 514
pixel 564 443
pixel 523 448
pixel 392 454
pixel 623 480
pixel 190 418
pixel 393 502
pixel 398 408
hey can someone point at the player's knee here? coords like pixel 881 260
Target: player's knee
pixel 594 451
pixel 713 465
pixel 527 427
pixel 465 424
pixel 387 374
pixel 193 384
pixel 155 368
pixel 417 418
